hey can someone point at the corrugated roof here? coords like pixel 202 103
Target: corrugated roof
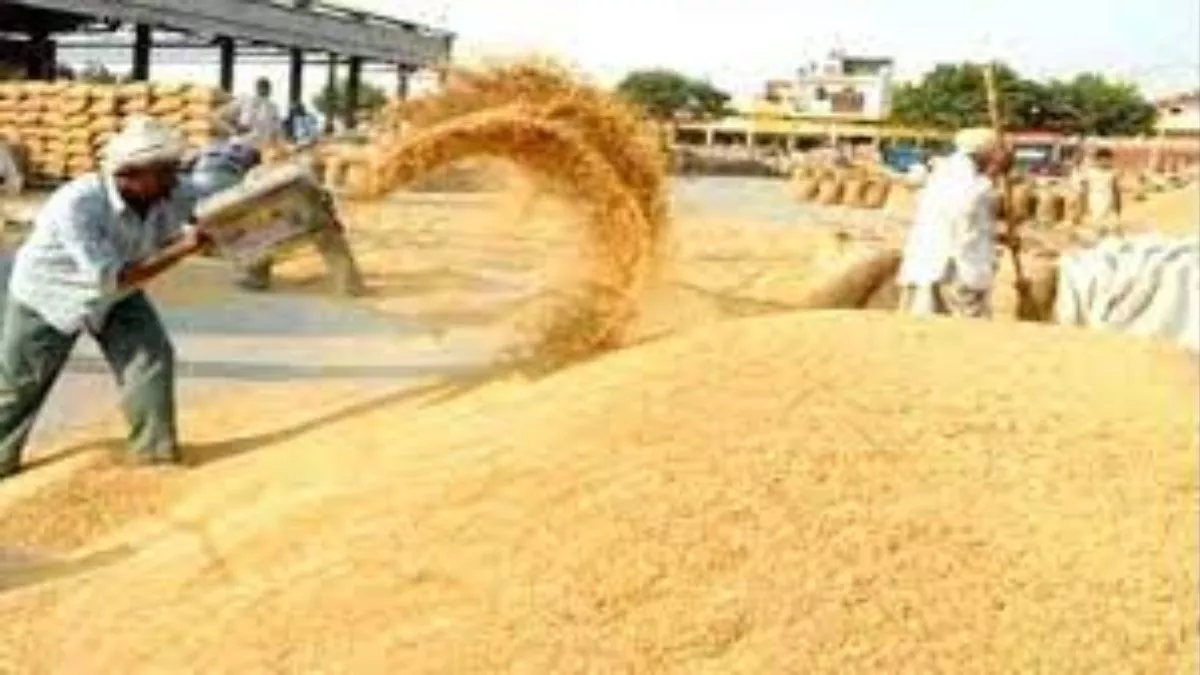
pixel 322 27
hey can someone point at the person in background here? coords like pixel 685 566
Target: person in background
pixel 221 165
pixel 12 181
pixel 949 258
pixel 301 126
pixel 253 119
pixel 253 122
pixel 94 244
pixel 1096 185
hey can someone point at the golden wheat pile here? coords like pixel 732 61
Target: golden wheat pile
pixel 61 126
pixel 816 493
pixel 577 143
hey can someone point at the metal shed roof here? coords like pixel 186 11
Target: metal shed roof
pixel 320 27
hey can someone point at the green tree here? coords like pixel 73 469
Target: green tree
pixel 667 95
pixel 331 99
pixel 1100 107
pixel 953 96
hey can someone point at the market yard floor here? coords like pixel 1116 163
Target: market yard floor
pixel 443 267
pixel 224 337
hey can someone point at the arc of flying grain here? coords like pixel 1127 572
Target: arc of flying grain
pixel 618 236
pixel 548 91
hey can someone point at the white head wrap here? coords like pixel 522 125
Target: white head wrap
pixel 975 141
pixel 142 142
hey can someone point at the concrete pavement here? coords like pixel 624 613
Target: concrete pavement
pixel 226 337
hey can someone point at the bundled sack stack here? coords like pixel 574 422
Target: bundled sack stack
pixel 858 187
pixel 22 106
pixel 60 127
pixel 190 108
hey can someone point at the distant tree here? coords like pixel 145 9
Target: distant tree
pixel 96 73
pixel 708 101
pixel 331 99
pixel 668 95
pixel 953 96
pixel 1096 106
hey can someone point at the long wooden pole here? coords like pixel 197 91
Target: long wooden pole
pixel 1011 240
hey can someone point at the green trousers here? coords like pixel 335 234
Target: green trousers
pixel 139 352
pixel 339 261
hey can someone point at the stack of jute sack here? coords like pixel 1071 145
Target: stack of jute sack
pixel 860 187
pixel 60 127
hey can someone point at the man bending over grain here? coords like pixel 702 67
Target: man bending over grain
pixel 949 258
pixel 94 244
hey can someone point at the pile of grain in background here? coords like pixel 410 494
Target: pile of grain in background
pixel 825 492
pixel 1175 212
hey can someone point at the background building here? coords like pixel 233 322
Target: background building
pixel 840 87
pixel 1179 115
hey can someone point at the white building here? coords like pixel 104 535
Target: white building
pixel 1179 115
pixel 840 87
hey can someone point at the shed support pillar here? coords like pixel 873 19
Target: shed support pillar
pixel 228 56
pixel 331 87
pixel 142 43
pixel 353 83
pixel 296 77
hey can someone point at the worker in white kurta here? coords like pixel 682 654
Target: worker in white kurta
pixel 950 257
pixel 1096 185
pixel 253 120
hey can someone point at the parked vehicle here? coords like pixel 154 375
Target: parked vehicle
pixel 900 158
pixel 1043 154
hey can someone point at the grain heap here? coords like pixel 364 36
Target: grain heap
pixel 577 143
pixel 61 126
pixel 795 494
pixel 1177 212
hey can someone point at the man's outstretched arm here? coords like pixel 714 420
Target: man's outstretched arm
pixel 190 242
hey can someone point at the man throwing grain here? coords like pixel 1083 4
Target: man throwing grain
pixel 96 241
pixel 949 258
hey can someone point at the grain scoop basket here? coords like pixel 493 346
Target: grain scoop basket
pixel 268 216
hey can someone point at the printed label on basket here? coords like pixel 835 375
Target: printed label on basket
pixel 260 235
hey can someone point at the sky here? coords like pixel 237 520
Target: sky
pixel 738 44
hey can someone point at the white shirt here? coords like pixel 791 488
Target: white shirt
pixel 257 119
pixel 67 270
pixel 1097 186
pixel 954 224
